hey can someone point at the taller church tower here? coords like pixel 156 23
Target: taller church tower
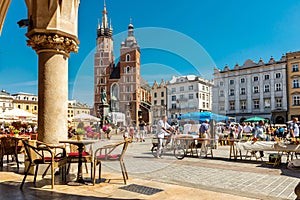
pixel 103 61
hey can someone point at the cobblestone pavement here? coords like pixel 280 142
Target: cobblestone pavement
pixel 190 178
pixel 241 177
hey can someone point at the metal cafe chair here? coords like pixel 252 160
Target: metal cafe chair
pixel 51 155
pixel 73 157
pixel 110 153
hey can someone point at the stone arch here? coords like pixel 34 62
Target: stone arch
pixel 127 57
pixel 279 120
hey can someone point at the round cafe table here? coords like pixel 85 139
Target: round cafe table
pixel 80 143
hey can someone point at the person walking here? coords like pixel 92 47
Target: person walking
pixel 142 131
pixel 162 131
pixel 259 133
pixel 294 128
pixel 204 133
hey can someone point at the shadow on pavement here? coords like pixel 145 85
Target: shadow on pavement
pixel 10 190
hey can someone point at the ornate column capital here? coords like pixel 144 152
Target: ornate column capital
pixel 52 42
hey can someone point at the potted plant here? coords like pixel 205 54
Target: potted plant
pixel 80 132
pixel 16 132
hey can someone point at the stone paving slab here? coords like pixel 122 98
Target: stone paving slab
pixel 190 178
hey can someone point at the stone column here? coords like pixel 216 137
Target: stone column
pixel 52 34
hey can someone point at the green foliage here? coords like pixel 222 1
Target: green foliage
pixel 80 131
pixel 80 125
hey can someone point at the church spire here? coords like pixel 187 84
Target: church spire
pixel 104 29
pixel 130 28
pixel 104 16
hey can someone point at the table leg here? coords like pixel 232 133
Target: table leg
pixel 79 175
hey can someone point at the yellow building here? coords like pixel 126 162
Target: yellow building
pixel 26 101
pixel 29 103
pixel 75 108
pixel 293 85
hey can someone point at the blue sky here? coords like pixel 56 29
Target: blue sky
pixel 203 34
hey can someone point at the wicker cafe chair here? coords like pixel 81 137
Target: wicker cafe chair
pixel 9 146
pixel 109 153
pixel 53 156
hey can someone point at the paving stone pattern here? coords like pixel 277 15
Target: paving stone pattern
pixel 253 179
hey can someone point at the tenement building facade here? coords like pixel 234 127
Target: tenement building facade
pixel 158 100
pixel 188 94
pixel 253 89
pixel 119 83
pixel 293 81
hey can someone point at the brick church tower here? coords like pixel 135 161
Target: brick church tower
pixel 121 82
pixel 103 60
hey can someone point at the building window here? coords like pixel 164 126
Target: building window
pixel 256 104
pixel 243 80
pixel 221 83
pixel 27 107
pixel 231 105
pixel 295 67
pixel 221 93
pixel 155 102
pixel 222 106
pixel 35 107
pixel 231 92
pixel 203 104
pixel 173 105
pixel 162 102
pixel 255 89
pixel 127 58
pixel 295 83
pixel 162 94
pixel 203 96
pixel 278 87
pixel 181 97
pixel 278 102
pixel 277 75
pixel 173 89
pixel 206 88
pixel 155 94
pixel 127 70
pixel 231 82
pixel 243 91
pixel 267 76
pixel 266 88
pixel 191 96
pixel 19 106
pixel 181 89
pixel 203 87
pixel 101 63
pixel 296 100
pixel 191 87
pixel 173 98
pixel 243 105
pixel 255 78
pixel 267 103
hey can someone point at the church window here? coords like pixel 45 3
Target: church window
pixel 127 57
pixel 127 70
